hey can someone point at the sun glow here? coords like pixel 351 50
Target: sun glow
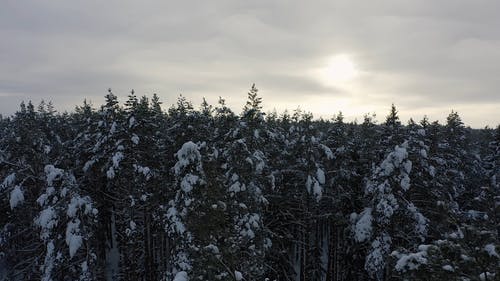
pixel 340 69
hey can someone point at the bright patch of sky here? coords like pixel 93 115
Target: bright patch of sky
pixel 427 57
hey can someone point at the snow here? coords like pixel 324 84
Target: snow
pixel 189 153
pixel 84 266
pixel 88 165
pixel 47 149
pixel 131 122
pixel 181 276
pixel 249 160
pixel 466 258
pixel 394 160
pixel 110 173
pixel 212 248
pixel 376 259
pixel 235 177
pixel 256 133
pixel 259 166
pixel 448 267
pixel 48 263
pixel 424 247
pixel 42 199
pixel 235 187
pixel 490 249
pixel 386 168
pixel 135 139
pixel 407 166
pixel 363 227
pixel 188 181
pixel 432 171
pixel 77 202
pixel 16 197
pixel 456 235
pixel 117 158
pixel 52 173
pixel 317 190
pixel 176 224
pixel 85 271
pixel 8 181
pixel 487 276
pixel 421 222
pixel 320 175
pixel 238 276
pixel 268 243
pixel 411 261
pixel 386 207
pixel 423 153
pixel 73 237
pixel 183 261
pixel 372 187
pixel 63 192
pixel 249 222
pixel 46 220
pixel 474 214
pixel 131 228
pixel 328 152
pixel 405 183
pixel 146 171
pixel 113 128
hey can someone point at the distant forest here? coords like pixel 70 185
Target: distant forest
pixel 132 192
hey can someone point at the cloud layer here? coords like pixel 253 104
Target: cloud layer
pixel 427 57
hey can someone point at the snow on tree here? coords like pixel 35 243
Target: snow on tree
pixel 386 192
pixel 16 197
pixel 189 176
pixel 245 179
pixel 63 210
pixel 363 226
pixel 132 192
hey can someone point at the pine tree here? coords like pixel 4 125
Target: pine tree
pixel 64 210
pixel 24 157
pixel 128 192
pixel 132 102
pixel 245 182
pixel 252 110
pixel 387 205
pixel 189 176
pixel 392 120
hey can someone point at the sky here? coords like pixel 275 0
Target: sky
pixel 358 57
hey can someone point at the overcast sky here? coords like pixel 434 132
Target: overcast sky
pixel 428 57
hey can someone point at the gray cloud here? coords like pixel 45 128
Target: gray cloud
pixel 422 55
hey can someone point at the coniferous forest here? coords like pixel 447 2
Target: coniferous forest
pixel 133 192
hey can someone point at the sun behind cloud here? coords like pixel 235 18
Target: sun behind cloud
pixel 338 70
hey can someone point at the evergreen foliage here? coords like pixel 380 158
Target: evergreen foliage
pixel 134 192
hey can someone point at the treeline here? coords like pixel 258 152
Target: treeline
pixel 133 192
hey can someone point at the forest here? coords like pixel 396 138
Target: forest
pixel 135 192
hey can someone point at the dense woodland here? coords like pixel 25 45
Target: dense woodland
pixel 133 192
